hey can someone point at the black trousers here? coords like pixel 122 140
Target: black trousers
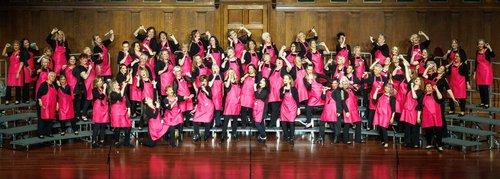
pixel 127 131
pixel 443 119
pixel 430 132
pixel 196 126
pixel 217 116
pixel 171 132
pixel 322 128
pixel 288 129
pixel 309 110
pixel 149 142
pixel 383 134
pixel 261 127
pixel 371 114
pixel 461 103
pixel 45 126
pixel 275 113
pixel 357 132
pixel 246 116
pixel 26 91
pixel 98 132
pixel 72 122
pixel 86 105
pixel 187 115
pixel 484 92
pixel 133 107
pixel 8 93
pixel 411 134
pixel 234 125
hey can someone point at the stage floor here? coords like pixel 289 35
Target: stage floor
pixel 247 159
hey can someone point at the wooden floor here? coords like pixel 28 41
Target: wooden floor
pixel 247 159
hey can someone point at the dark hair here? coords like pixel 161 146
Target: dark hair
pixel 203 78
pixel 22 42
pixel 216 41
pixel 193 33
pixel 253 41
pixel 251 65
pixel 267 83
pixel 163 32
pixel 298 47
pixel 133 45
pixel 340 34
pixel 149 28
pixel 125 42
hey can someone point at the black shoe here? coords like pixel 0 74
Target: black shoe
pixel 41 136
pixel 51 135
pixel 172 144
pixel 95 145
pixel 461 114
pixel 63 133
pixel 206 137
pixel 76 133
pixel 117 144
pixel 347 142
pixel 196 138
pixel 486 106
pixel 319 140
pixel 17 102
pixel 291 141
pixel 261 139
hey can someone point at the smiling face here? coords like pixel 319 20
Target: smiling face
pixel 428 88
pixel 251 69
pixel 164 55
pixel 480 44
pixel 97 39
pixel 137 47
pixel 414 39
pixel 215 69
pixel 395 51
pixel 62 80
pixel 387 88
pixel 301 36
pixel 163 37
pixel 233 34
pixel 417 81
pixel 381 39
pixel 26 43
pixel 350 69
pixel 170 91
pixel 454 44
pixel 16 46
pixel 52 77
pixel 213 42
pixel 309 69
pixel 72 60
pixel 251 45
pixel 286 79
pixel 151 32
pixel 230 52
pixel 335 84
pixel 262 83
pixel 99 82
pixel 425 54
pixel 125 47
pixel 123 69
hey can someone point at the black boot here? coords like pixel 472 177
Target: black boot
pixel 196 138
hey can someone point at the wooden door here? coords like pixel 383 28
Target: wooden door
pixel 252 16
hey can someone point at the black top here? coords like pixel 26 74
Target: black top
pixel 348 47
pixel 384 49
pixel 238 61
pixel 115 97
pixel 209 91
pixel 167 105
pixel 171 44
pixel 425 44
pixel 150 112
pixel 194 49
pixel 460 51
pixel 317 79
pixel 392 101
pixel 463 70
pixel 305 45
pixel 487 54
pixel 66 89
pixel 52 43
pixel 96 95
pixel 44 89
pixel 248 56
pixel 152 43
pixel 295 94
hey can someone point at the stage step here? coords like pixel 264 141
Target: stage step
pixel 20 105
pixel 20 129
pixel 16 117
pixel 36 140
pixel 472 131
pixel 459 142
pixel 34 127
pixel 490 109
pixel 473 118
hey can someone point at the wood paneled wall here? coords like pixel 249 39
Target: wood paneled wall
pixel 80 20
